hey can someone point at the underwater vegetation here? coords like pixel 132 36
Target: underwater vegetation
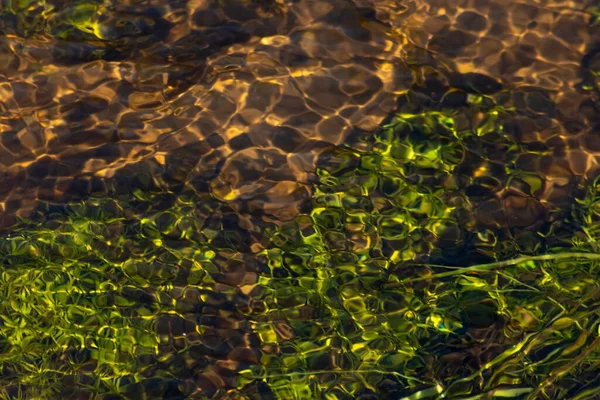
pixel 451 254
pixel 79 20
pixel 386 320
pixel 389 286
pixel 106 295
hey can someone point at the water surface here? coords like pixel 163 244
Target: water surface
pixel 267 199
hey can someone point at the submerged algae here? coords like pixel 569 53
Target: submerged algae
pixel 366 308
pixel 165 295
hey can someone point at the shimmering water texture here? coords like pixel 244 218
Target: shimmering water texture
pixel 313 199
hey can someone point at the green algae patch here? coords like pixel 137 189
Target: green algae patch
pixel 389 286
pixel 91 295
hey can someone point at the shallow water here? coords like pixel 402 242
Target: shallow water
pixel 255 199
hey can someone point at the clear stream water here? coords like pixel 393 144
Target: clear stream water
pixel 252 199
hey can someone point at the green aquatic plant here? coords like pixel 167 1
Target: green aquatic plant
pixel 79 21
pixel 390 284
pixel 123 296
pixel 364 294
pixel 524 327
pixel 354 309
pixel 63 310
pixel 88 294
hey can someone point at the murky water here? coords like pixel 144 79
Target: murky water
pixel 259 199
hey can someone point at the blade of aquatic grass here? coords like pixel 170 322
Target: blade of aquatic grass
pixel 586 394
pixel 324 372
pixel 499 264
pixel 556 374
pixel 500 392
pixel 425 393
pixel 521 349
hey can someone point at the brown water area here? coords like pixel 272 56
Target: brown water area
pixel 244 101
pixel 266 87
pixel 248 95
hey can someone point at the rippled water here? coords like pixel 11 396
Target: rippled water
pixel 262 199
